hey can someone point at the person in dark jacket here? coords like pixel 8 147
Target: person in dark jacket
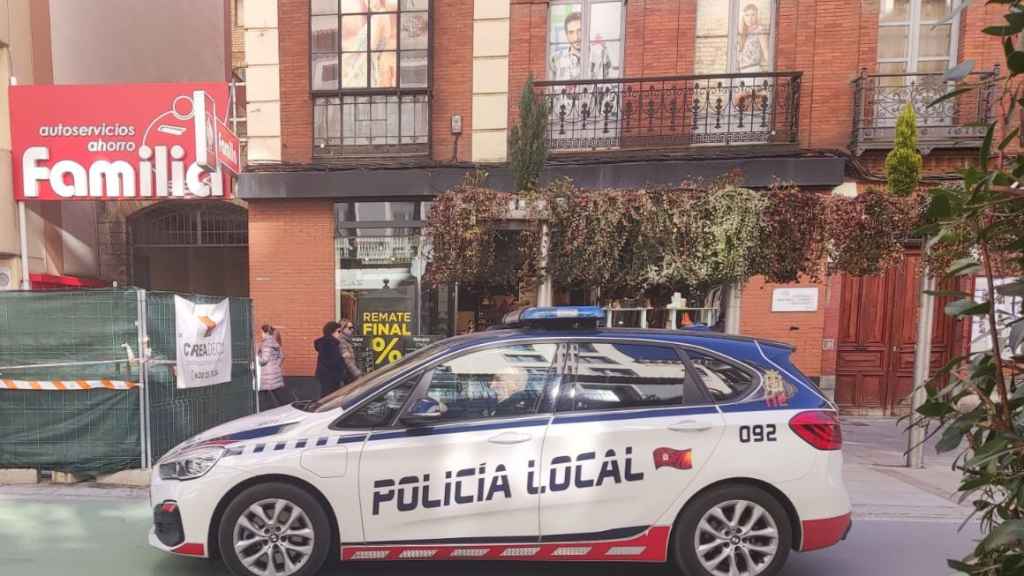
pixel 330 366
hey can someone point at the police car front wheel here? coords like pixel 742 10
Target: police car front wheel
pixel 274 528
pixel 734 530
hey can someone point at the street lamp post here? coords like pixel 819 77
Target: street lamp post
pixel 922 362
pixel 26 282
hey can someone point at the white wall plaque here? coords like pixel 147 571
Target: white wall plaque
pixel 795 299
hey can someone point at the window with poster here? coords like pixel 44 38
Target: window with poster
pixel 585 39
pixel 380 260
pixel 734 36
pixel 735 40
pixel 370 77
pixel 585 42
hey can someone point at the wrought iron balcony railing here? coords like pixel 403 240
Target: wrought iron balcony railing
pixel 957 122
pixel 379 250
pixel 672 111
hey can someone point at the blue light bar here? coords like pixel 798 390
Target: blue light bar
pixel 539 314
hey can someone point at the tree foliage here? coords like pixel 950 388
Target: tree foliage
pixel 711 237
pixel 527 145
pixel 903 163
pixel 626 242
pixel 470 244
pixel 866 233
pixel 792 242
pixel 978 399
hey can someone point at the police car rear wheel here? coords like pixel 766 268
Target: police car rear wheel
pixel 735 530
pixel 274 529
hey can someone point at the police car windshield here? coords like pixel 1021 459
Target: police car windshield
pixel 361 387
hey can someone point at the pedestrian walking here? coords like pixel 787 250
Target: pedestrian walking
pixel 330 366
pixel 348 353
pixel 273 392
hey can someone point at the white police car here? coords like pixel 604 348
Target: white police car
pixel 554 440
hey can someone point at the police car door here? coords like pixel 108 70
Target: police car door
pixel 462 478
pixel 630 433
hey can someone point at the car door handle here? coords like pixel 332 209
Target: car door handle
pixel 509 438
pixel 690 426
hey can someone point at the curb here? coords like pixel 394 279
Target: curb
pixel 19 476
pixel 135 478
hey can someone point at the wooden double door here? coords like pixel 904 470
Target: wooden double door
pixel 877 337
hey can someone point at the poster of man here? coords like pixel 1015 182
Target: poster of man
pixel 569 59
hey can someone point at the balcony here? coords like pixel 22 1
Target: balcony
pixel 958 122
pixel 383 250
pixel 371 125
pixel 672 112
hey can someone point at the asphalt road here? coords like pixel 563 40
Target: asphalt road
pixel 74 536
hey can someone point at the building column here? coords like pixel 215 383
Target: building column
pixel 490 80
pixel 733 307
pixel 262 82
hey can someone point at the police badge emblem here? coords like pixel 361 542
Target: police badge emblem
pixel 775 389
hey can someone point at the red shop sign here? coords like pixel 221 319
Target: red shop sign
pixel 113 142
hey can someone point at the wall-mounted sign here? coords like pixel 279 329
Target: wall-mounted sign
pixel 384 319
pixel 116 142
pixel 229 149
pixel 204 129
pixel 1008 309
pixel 795 299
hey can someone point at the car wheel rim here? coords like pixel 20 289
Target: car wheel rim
pixel 274 537
pixel 736 538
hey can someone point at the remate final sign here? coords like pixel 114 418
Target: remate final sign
pixel 119 142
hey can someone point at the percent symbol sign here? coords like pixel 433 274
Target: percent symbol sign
pixel 385 350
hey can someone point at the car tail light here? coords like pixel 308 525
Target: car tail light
pixel 819 428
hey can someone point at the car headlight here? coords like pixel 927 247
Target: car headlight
pixel 191 464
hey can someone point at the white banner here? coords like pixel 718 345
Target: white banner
pixel 203 342
pixel 1008 308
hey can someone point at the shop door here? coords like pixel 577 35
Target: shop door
pixel 877 337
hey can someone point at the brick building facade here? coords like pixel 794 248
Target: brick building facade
pixel 320 154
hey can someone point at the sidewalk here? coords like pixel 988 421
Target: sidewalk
pixel 882 488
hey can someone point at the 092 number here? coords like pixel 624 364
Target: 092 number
pixel 757 433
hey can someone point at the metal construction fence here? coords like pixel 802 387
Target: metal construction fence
pixel 88 380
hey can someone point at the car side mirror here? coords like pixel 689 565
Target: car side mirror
pixel 423 412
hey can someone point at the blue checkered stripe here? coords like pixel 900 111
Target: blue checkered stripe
pixel 254 448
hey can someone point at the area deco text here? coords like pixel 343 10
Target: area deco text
pixel 159 173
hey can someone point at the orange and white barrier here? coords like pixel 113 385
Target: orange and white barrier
pixel 67 384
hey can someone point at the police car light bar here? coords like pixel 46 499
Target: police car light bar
pixel 541 315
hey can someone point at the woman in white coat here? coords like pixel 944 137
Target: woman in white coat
pixel 272 390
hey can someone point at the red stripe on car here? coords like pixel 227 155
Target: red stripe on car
pixel 651 546
pixel 824 533
pixel 190 549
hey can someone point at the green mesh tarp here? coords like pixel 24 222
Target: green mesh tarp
pixel 85 432
pixel 91 335
pixel 46 336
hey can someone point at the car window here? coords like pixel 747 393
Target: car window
pixel 724 380
pixel 496 382
pixel 619 375
pixel 366 385
pixel 381 410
